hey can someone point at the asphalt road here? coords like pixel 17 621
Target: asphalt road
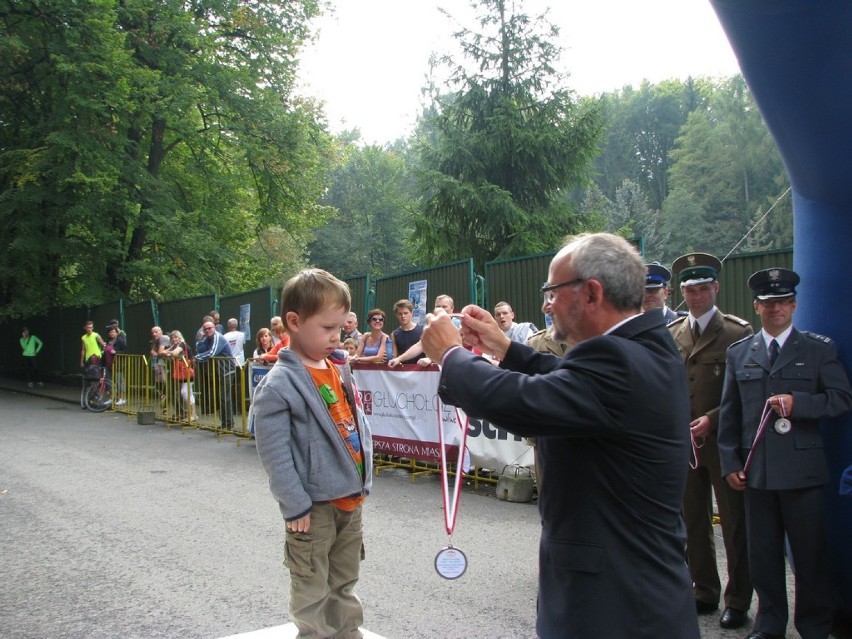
pixel 110 529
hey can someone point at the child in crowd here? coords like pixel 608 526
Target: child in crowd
pixel 315 445
pixel 350 345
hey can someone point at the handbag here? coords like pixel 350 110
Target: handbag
pixel 182 369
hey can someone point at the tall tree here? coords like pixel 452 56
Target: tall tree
pixel 726 164
pixel 641 128
pixel 374 198
pixel 629 215
pixel 146 145
pixel 502 146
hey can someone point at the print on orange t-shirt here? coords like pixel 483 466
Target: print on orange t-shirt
pixel 331 388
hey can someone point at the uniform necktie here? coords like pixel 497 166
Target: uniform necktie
pixel 773 352
pixel 696 331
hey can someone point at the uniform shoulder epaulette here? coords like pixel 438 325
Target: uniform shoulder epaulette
pixel 742 340
pixel 540 331
pixel 534 339
pixel 734 318
pixel 679 320
pixel 817 336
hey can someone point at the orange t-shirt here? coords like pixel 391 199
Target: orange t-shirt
pixel 330 386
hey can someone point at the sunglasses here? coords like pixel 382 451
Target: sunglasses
pixel 381 320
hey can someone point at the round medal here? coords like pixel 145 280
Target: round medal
pixel 782 426
pixel 450 563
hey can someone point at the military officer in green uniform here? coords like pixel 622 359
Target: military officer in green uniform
pixel 702 338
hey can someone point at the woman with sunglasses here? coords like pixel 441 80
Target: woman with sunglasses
pixel 372 349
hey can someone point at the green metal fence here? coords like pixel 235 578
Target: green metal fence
pixel 359 289
pixel 257 307
pixel 515 280
pixel 185 315
pixel 455 279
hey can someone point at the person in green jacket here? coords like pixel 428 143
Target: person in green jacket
pixel 31 347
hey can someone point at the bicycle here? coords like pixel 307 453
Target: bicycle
pixel 96 394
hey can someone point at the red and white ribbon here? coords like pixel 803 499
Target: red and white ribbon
pixel 451 505
pixel 761 429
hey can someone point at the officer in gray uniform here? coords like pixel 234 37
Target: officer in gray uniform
pixel 778 384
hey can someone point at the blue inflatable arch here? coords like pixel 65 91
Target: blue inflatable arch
pixel 796 56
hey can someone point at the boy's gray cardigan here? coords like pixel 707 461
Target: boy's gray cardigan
pixel 298 443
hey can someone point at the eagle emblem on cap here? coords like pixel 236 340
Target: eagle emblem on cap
pixel 691 260
pixel 774 275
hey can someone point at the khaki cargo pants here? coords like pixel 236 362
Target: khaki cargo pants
pixel 324 565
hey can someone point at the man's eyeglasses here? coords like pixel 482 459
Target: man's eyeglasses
pixel 547 289
pixel 380 320
pixel 209 328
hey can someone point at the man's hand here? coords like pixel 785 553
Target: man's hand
pixel 701 427
pixel 439 335
pixel 480 330
pixel 782 404
pixel 736 480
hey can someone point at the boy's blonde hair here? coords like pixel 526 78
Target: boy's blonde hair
pixel 350 341
pixel 312 291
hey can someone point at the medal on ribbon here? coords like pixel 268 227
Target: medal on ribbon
pixel 782 424
pixel 450 562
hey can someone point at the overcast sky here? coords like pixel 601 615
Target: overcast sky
pixel 372 56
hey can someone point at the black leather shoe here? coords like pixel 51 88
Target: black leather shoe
pixel 732 618
pixel 764 635
pixel 705 607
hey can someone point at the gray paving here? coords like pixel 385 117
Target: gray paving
pixel 113 529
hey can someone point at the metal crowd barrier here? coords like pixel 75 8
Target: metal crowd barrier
pixel 130 383
pixel 220 389
pixel 215 400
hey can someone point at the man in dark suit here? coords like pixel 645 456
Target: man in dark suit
pixel 781 466
pixel 657 291
pixel 702 338
pixel 611 556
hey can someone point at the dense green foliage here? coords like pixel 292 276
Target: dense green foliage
pixel 152 148
pixel 705 164
pixel 157 148
pixel 375 199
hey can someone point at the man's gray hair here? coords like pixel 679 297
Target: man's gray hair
pixel 614 262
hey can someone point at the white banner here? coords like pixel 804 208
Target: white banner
pixel 402 406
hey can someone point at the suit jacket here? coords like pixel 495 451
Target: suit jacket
pixel 808 368
pixel 609 421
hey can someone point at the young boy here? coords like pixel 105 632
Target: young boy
pixel 317 450
pixel 350 346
